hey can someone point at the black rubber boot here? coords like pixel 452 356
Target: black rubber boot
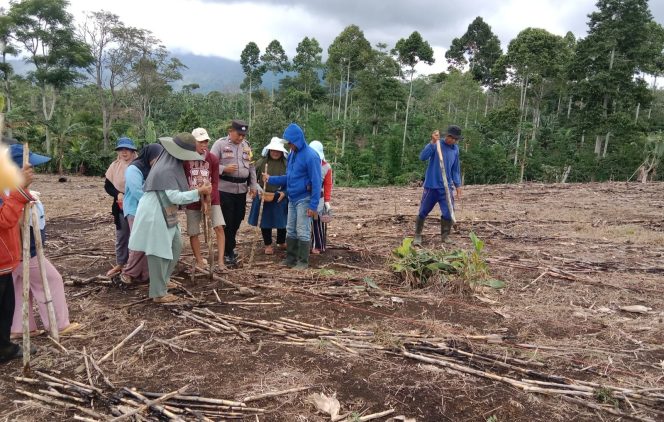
pixel 419 226
pixel 291 252
pixel 445 230
pixel 303 249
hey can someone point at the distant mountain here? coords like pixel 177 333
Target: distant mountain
pixel 210 73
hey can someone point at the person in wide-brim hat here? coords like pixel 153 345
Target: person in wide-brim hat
pixel 275 206
pixel 156 231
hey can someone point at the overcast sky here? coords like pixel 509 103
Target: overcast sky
pixel 224 27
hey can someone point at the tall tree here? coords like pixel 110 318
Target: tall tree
pixel 45 30
pixel 350 50
pixel 378 88
pixel 7 49
pixel 479 47
pixel 606 62
pixel 307 61
pixel 275 60
pixel 116 50
pixel 154 70
pixel 534 57
pixel 411 51
pixel 253 70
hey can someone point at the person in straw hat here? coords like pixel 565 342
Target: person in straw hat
pixel 156 231
pixel 275 206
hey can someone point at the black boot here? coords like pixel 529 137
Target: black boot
pixel 445 230
pixel 230 259
pixel 303 248
pixel 419 226
pixel 291 252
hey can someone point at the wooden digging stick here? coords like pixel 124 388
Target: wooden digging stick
pixel 258 222
pixel 448 198
pixel 207 218
pixel 52 322
pixel 26 272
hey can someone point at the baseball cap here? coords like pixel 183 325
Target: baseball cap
pixel 200 134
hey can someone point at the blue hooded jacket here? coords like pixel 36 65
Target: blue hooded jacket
pixel 302 169
pixel 433 178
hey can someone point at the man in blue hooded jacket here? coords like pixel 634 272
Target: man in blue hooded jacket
pixel 303 181
pixel 434 189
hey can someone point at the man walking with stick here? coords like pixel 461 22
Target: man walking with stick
pixel 439 184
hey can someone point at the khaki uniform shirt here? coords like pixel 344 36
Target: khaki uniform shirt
pixel 240 154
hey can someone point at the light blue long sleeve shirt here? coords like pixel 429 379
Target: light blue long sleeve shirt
pixel 133 190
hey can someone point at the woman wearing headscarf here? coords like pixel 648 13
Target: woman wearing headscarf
pixel 136 268
pixel 319 223
pixel 275 206
pixel 115 187
pixel 156 231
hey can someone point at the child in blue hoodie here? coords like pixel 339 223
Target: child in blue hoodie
pixel 302 173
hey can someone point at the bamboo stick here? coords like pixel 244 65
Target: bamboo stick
pixel 126 339
pixel 273 394
pixel 26 272
pixel 87 366
pixel 198 399
pixel 448 198
pixel 41 258
pixel 150 403
pixel 258 222
pixel 156 407
pixel 87 388
pixel 66 405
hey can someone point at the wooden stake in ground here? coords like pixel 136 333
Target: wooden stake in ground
pixel 26 273
pixel 448 198
pixel 207 224
pixel 258 222
pixel 52 322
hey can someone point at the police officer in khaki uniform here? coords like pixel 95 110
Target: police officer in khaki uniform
pixel 236 176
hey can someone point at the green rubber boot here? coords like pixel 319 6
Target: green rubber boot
pixel 303 248
pixel 445 230
pixel 419 226
pixel 291 253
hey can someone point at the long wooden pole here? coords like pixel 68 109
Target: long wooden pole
pixel 448 198
pixel 26 273
pixel 260 215
pixel 52 322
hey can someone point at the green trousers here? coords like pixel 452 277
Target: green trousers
pixel 161 268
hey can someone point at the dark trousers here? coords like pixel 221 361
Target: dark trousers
pixel 233 207
pixel 267 236
pixel 6 311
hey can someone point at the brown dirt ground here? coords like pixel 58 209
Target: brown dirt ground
pixel 607 238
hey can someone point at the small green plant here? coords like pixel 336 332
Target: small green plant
pixel 420 267
pixel 604 395
pixel 492 418
pixel 474 269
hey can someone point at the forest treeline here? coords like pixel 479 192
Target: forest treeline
pixel 549 108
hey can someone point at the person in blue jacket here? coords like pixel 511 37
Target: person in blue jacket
pixel 434 189
pixel 301 179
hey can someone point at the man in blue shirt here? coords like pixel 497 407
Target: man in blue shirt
pixel 434 189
